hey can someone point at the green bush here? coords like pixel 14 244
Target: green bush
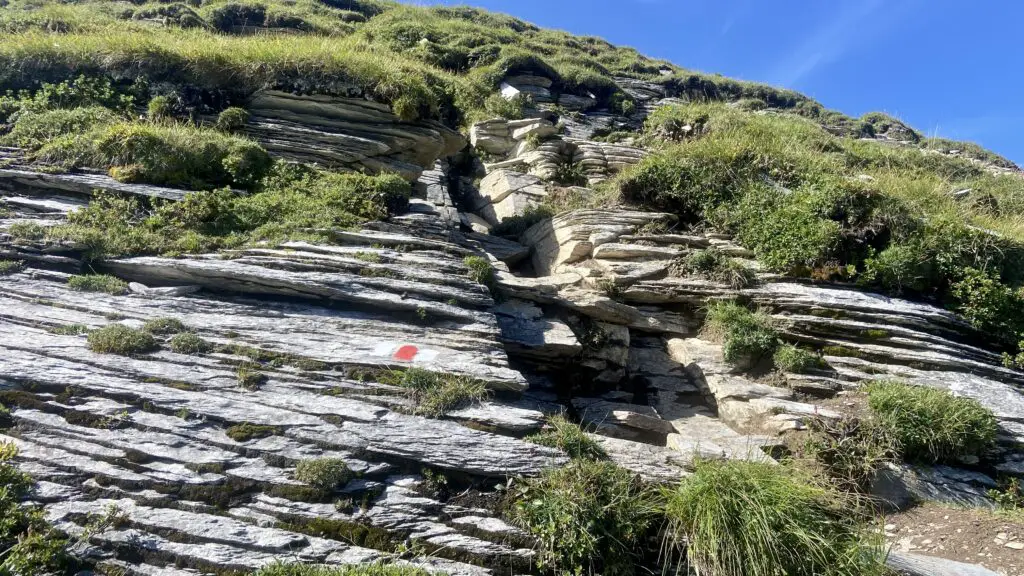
pixel 588 517
pixel 232 119
pixel 712 264
pixel 746 336
pixel 568 437
pixel 27 231
pixel 190 344
pixel 480 270
pixel 931 425
pixel 160 108
pixel 898 269
pixel 434 394
pixel 164 326
pixel 850 452
pixel 789 358
pixel 120 339
pixel 323 473
pixel 98 283
pixel 32 130
pixel 989 305
pixel 738 518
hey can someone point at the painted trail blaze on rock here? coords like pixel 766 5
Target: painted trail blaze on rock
pixel 406 353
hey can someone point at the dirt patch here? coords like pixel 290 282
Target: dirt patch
pixel 993 540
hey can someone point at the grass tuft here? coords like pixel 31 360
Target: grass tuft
pixel 98 283
pixel 746 336
pixel 435 394
pixel 480 270
pixel 323 473
pixel 250 377
pixel 752 519
pixel 164 326
pixel 569 437
pixel 716 266
pixel 245 431
pixel 190 344
pixel 10 267
pixel 120 339
pixel 931 425
pixel 789 358
pixel 589 517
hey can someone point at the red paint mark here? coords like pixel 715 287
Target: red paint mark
pixel 406 353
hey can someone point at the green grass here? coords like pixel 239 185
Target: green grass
pixel 122 340
pixel 375 569
pixel 190 344
pixel 751 519
pixel 931 425
pixel 249 376
pixel 245 431
pixel 746 336
pixel 568 437
pixel 98 283
pixel 434 394
pixel 26 231
pixel 713 265
pixel 29 544
pixel 480 270
pixel 164 326
pixel 69 330
pixel 323 473
pixel 589 518
pixel 10 266
pixel 789 358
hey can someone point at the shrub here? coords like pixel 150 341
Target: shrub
pixel 232 119
pixel 323 473
pixel 588 517
pixel 435 393
pixel 98 283
pixel 746 336
pixel 568 437
pixel 931 425
pixel 989 304
pixel 10 266
pixel 160 108
pixel 480 270
pixel 741 518
pixel 509 108
pixel 898 268
pixel 29 544
pixel 716 266
pixel 120 339
pixel 850 451
pixel 190 344
pixel 245 431
pixel 164 326
pixel 69 330
pixel 375 569
pixel 514 226
pixel 789 358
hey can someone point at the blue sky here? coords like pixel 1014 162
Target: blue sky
pixel 952 68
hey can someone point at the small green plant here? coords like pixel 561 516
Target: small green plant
pixel 323 473
pixel 480 270
pixel 160 108
pixel 567 436
pixel 1009 495
pixel 436 393
pixel 98 283
pixel 164 326
pixel 69 330
pixel 10 266
pixel 746 336
pixel 250 377
pixel 245 431
pixel 120 339
pixel 850 451
pixel 589 517
pixel 26 231
pixel 740 518
pixel 422 313
pixel 372 257
pixel 190 344
pixel 931 425
pixel 28 545
pixel 509 108
pixel 609 288
pixel 232 120
pixel 714 265
pixel 789 358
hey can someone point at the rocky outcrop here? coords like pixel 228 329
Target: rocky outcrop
pixel 351 133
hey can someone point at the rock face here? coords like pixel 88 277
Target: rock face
pixel 348 133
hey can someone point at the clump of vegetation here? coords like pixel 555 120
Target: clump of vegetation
pixel 98 283
pixel 589 517
pixel 190 344
pixel 712 264
pixel 323 473
pixel 435 393
pixel 232 119
pixel 120 339
pixel 568 437
pixel 29 544
pixel 751 519
pixel 850 451
pixel 250 377
pixel 164 326
pixel 69 330
pixel 746 336
pixel 26 231
pixel 10 266
pixel 480 270
pixel 514 226
pixel 245 431
pixel 931 425
pixel 375 569
pixel 789 358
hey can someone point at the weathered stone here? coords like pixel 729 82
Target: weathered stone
pixel 907 564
